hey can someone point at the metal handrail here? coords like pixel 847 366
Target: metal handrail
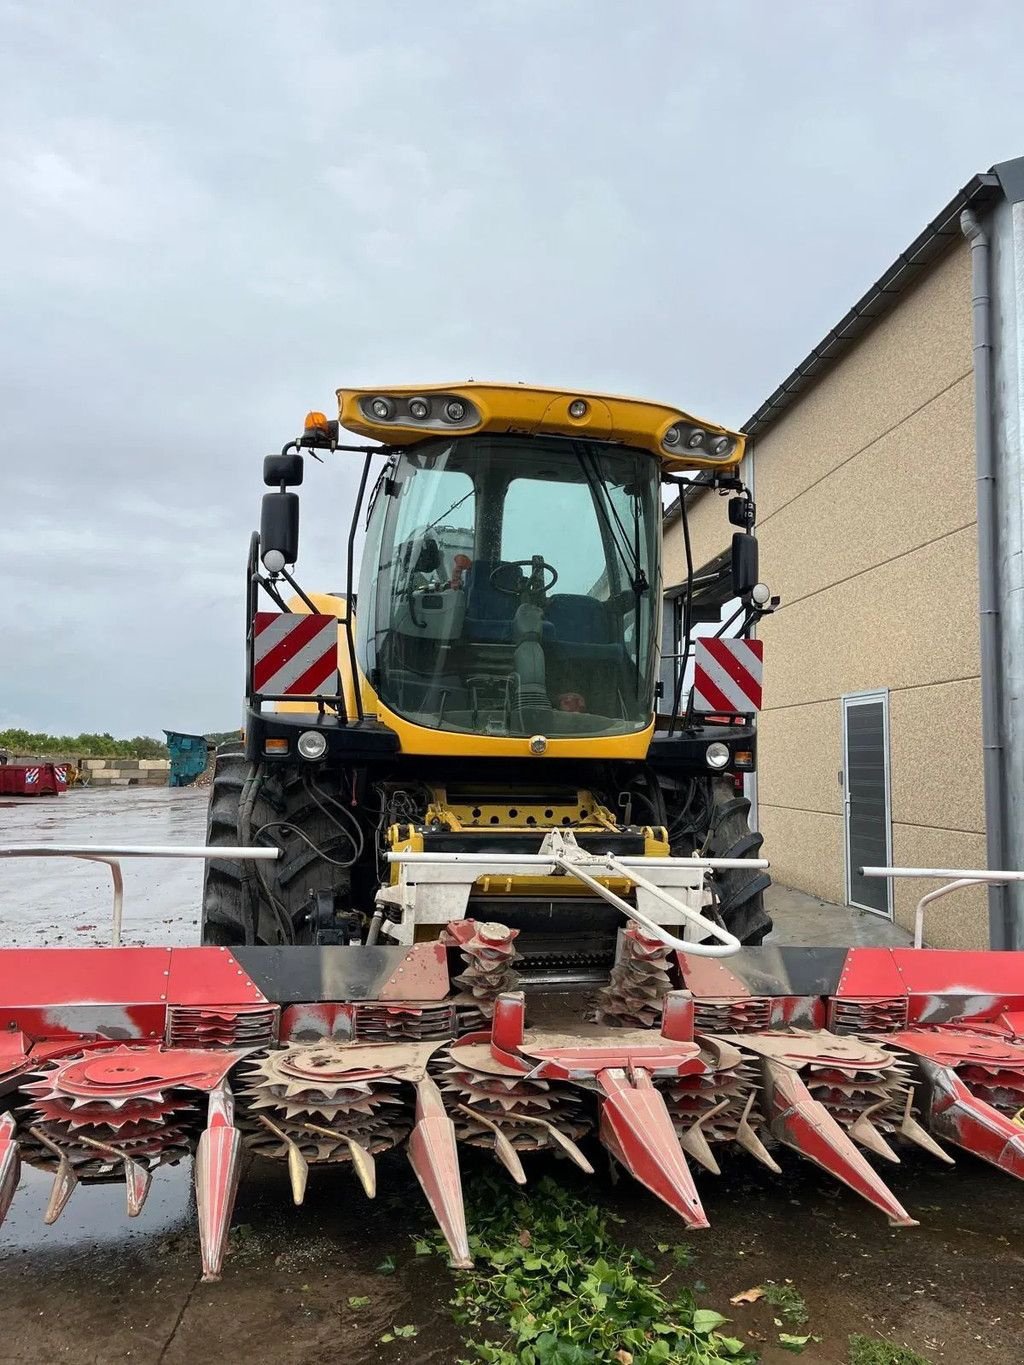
pixel 962 877
pixel 112 853
pixel 566 856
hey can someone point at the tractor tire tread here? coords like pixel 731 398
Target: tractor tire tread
pixel 741 893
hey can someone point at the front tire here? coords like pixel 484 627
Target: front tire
pixel 740 892
pixel 224 921
pixel 268 806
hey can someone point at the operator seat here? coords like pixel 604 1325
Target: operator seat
pixel 489 612
pixel 582 626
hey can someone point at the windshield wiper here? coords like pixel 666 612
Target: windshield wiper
pixel 630 558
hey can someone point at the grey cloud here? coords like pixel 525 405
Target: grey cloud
pixel 214 214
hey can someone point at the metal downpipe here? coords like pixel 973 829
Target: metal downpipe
pixel 1002 927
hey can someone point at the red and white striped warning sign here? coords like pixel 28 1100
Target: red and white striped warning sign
pixel 727 675
pixel 31 777
pixel 293 654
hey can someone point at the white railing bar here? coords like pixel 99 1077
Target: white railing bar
pixel 976 874
pixel 727 945
pixel 962 877
pixel 206 851
pixel 111 853
pixel 546 859
pixel 576 865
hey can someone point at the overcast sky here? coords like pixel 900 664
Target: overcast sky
pixel 215 212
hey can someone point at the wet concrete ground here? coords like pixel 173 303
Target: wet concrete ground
pixel 96 1288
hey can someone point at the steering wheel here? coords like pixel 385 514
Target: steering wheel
pixel 535 581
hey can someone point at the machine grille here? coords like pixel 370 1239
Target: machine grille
pixel 380 1023
pixel 886 1015
pixel 733 1014
pixel 205 1026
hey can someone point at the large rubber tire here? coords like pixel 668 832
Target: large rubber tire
pixel 239 900
pixel 741 893
pixel 224 895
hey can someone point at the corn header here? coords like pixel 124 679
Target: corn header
pixel 481 873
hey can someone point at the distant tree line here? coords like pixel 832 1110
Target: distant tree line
pixel 93 746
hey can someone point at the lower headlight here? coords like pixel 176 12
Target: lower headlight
pixel 716 755
pixel 312 744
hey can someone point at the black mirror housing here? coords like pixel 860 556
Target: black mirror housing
pixel 283 470
pixel 279 525
pixel 745 563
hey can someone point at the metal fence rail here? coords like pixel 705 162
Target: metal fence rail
pixel 111 854
pixel 961 877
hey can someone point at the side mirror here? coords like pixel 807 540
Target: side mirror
pixel 744 563
pixel 283 471
pixel 279 530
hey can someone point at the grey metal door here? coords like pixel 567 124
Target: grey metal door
pixel 867 819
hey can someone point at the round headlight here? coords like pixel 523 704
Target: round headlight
pixel 382 408
pixel 671 437
pixel 761 594
pixel 721 446
pixel 420 408
pixel 312 744
pixel 577 408
pixel 273 561
pixel 715 755
pixel 454 410
pixel 695 439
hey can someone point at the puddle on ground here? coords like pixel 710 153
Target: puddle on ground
pixel 96 1214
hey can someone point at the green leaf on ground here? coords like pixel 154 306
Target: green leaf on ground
pixel 706 1320
pixel 554 1286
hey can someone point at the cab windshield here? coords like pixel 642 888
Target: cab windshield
pixel 511 587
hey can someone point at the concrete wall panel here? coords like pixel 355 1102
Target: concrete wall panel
pixel 936 756
pixel 910 356
pixel 959 920
pixel 910 487
pixel 908 622
pixel 799 756
pixel 805 849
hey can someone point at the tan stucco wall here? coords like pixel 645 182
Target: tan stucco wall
pixel 866 516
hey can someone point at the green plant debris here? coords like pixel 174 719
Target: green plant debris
pixel 396 1333
pixel 358 1300
pixel 870 1351
pixel 787 1302
pixel 387 1266
pixel 554 1287
pixel 796 1344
